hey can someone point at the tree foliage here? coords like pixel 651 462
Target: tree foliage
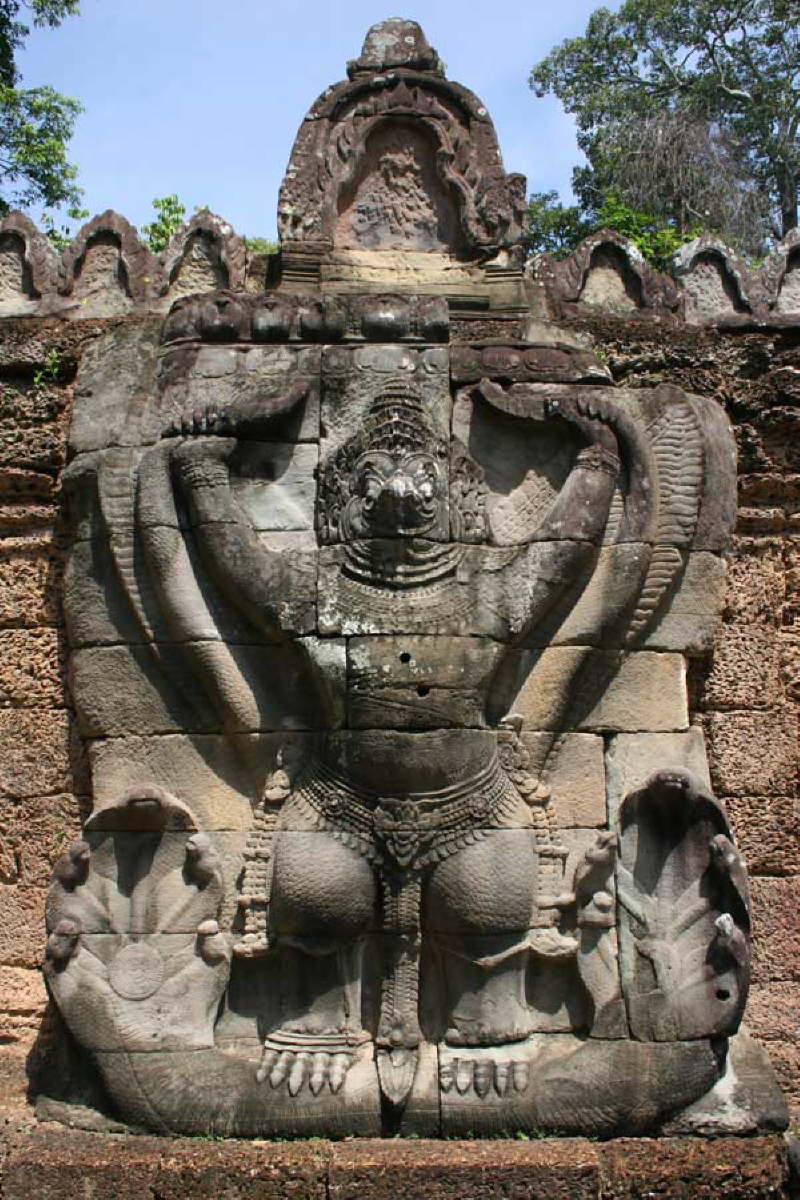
pixel 552 227
pixel 555 228
pixel 170 215
pixel 35 123
pixel 679 102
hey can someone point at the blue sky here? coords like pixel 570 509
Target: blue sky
pixel 204 97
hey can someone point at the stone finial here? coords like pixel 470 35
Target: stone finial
pixel 717 284
pixel 107 269
pixel 779 277
pixel 606 273
pixel 28 266
pixel 395 42
pixel 203 255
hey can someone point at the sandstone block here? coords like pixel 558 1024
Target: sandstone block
pixel 419 682
pixel 218 777
pixel 577 779
pixel 122 690
pixel 631 758
pixel 218 376
pixel 276 486
pixel 690 616
pixel 113 389
pixel 30 669
pixel 752 753
pixel 647 691
pixel 604 602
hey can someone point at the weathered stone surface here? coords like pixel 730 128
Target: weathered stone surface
pixel 647 692
pixel 577 779
pixel 50 1163
pixel 30 669
pixel 739 1168
pixel 744 671
pixel 42 754
pixel 22 1004
pixel 756 582
pixel 776 930
pixel 607 272
pixel 35 832
pixel 28 266
pixel 113 390
pixel 203 255
pixel 486 1169
pixel 767 832
pixel 22 934
pixel 752 753
pixel 715 282
pixel 107 270
pixel 30 579
pixel 631 758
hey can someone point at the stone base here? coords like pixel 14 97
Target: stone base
pixel 51 1163
pixel 42 1160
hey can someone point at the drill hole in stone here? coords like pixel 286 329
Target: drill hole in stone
pixel 422 689
pixel 405 657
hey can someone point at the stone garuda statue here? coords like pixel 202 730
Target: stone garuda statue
pixel 378 602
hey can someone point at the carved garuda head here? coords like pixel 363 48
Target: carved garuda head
pixel 391 479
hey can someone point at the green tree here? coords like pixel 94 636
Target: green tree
pixel 552 227
pixel 170 215
pixel 727 69
pixel 260 245
pixel 35 123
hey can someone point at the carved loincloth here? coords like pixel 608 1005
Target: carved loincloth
pixel 403 832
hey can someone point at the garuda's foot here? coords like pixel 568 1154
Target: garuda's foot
pixel 298 1061
pixel 485 1072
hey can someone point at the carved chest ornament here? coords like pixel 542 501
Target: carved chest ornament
pixel 378 626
